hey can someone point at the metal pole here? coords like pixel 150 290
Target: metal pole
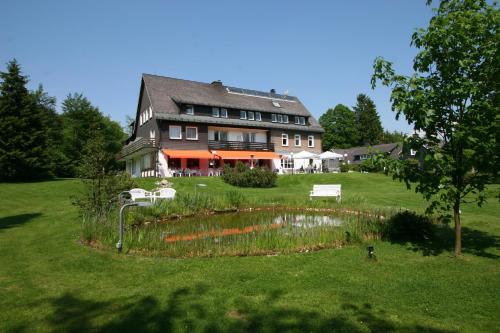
pixel 119 245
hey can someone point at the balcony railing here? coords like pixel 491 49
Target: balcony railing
pixel 239 145
pixel 139 144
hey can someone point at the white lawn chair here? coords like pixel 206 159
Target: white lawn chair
pixel 164 193
pixel 139 193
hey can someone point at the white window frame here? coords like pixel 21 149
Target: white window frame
pixel 303 121
pixel 170 132
pixel 284 136
pixel 297 120
pixel 150 112
pixel 274 119
pixel 280 118
pixel 287 163
pixel 243 114
pixel 215 112
pixel 276 104
pixel 223 113
pixel 251 115
pixel 310 138
pixel 285 118
pixel 258 116
pixel 196 129
pixel 297 136
pixel 189 107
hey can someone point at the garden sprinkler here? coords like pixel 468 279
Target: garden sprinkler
pixel 119 245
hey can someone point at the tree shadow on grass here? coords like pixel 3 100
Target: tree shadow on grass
pixel 16 220
pixel 192 310
pixel 422 235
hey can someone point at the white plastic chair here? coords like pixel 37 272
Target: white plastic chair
pixel 164 193
pixel 139 193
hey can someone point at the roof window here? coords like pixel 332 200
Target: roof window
pixel 276 104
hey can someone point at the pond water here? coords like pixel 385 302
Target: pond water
pixel 242 223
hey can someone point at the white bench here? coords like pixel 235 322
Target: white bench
pixel 333 190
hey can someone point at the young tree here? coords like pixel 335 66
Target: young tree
pixel 452 101
pixel 367 120
pixel 340 128
pixel 101 182
pixel 25 128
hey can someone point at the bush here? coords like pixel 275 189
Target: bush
pixel 242 176
pixel 409 227
pixel 349 167
pixel 101 185
pixel 369 166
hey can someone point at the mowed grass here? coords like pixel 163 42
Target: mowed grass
pixel 50 282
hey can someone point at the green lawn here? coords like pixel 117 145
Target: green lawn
pixel 50 282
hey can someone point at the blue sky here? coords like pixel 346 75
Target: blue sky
pixel 320 51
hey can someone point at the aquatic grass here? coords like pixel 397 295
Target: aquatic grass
pixel 253 232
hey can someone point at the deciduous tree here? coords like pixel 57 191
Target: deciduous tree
pixel 452 101
pixel 340 128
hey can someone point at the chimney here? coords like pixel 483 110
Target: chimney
pixel 217 83
pixel 273 91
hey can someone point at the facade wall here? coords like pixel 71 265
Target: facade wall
pixel 183 144
pixel 276 138
pixel 150 126
pixel 236 134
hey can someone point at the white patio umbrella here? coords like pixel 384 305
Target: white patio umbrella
pixel 330 155
pixel 305 155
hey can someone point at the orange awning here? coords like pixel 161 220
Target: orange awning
pixel 246 155
pixel 203 154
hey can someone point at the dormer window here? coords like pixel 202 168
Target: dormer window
pixel 258 116
pixel 276 104
pixel 285 119
pixel 273 118
pixel 251 115
pixel 302 120
pixel 189 109
pixel 297 120
pixel 216 112
pixel 223 113
pixel 243 114
pixel 280 118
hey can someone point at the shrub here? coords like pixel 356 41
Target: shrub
pixel 409 227
pixel 349 167
pixel 369 166
pixel 242 176
pixel 101 185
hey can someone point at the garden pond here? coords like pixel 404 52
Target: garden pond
pixel 251 232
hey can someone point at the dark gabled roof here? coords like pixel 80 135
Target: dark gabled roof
pixel 166 93
pixel 237 122
pixel 385 148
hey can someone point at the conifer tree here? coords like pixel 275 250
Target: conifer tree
pixel 24 142
pixel 368 121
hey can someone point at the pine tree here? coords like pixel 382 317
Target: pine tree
pixel 24 141
pixel 368 121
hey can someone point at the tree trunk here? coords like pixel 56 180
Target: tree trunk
pixel 458 229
